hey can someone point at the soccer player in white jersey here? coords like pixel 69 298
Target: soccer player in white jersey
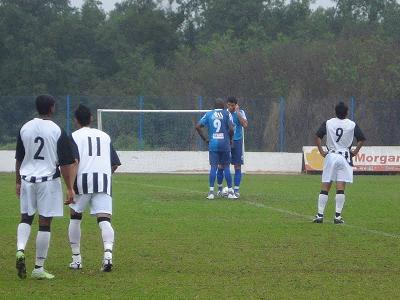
pixel 97 161
pixel 340 133
pixel 42 147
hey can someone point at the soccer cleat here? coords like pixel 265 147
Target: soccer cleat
pixel 220 194
pixel 20 264
pixel 210 196
pixel 338 220
pixel 41 274
pixel 75 265
pixel 107 265
pixel 237 194
pixel 318 219
pixel 231 195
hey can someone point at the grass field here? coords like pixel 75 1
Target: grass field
pixel 172 243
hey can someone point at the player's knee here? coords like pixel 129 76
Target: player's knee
pixel 103 219
pixel 238 167
pixel 45 222
pixel 324 192
pixel 338 192
pixel 27 219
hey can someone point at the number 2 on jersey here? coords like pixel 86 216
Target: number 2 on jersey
pixel 339 134
pixel 40 140
pixel 217 125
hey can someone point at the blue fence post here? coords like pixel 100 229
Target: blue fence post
pixel 200 106
pixel 352 107
pixel 68 117
pixel 141 103
pixel 281 124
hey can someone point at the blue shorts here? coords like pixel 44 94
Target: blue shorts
pixel 219 157
pixel 237 152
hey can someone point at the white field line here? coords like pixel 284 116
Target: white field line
pixel 280 210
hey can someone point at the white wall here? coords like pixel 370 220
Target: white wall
pixel 187 162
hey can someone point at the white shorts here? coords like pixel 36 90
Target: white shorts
pixel 99 203
pixel 45 197
pixel 336 168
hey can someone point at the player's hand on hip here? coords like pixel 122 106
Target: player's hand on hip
pixel 70 197
pixel 18 190
pixel 324 153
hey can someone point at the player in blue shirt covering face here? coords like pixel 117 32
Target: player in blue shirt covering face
pixel 220 133
pixel 239 123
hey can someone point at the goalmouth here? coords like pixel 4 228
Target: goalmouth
pixel 151 132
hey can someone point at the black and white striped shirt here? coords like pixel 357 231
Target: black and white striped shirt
pixel 95 153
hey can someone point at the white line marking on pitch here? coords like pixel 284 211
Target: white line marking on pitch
pixel 283 211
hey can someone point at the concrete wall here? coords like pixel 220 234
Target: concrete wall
pixel 187 162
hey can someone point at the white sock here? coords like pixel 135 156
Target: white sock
pixel 107 233
pixel 23 233
pixel 322 200
pixel 340 198
pixel 42 246
pixel 74 233
pixel 211 189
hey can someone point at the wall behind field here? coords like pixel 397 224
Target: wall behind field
pixel 187 162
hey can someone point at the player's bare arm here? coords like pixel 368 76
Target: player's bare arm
pixel 114 168
pixel 318 142
pixel 242 120
pixel 69 173
pixel 357 149
pixel 199 129
pixel 17 178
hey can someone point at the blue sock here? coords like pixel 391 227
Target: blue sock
pixel 238 178
pixel 213 174
pixel 220 178
pixel 228 176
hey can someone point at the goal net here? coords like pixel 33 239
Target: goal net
pixel 152 130
pixel 167 139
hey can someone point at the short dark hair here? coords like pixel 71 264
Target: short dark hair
pixel 232 99
pixel 219 103
pixel 44 103
pixel 341 110
pixel 83 115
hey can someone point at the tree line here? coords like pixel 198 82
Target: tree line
pixel 248 48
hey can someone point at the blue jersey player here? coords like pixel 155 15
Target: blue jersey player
pixel 239 122
pixel 220 132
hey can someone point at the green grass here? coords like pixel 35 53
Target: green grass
pixel 172 243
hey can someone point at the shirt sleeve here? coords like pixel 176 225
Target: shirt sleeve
pixel 321 132
pixel 243 114
pixel 114 157
pixel 75 150
pixel 358 134
pixel 20 149
pixel 64 150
